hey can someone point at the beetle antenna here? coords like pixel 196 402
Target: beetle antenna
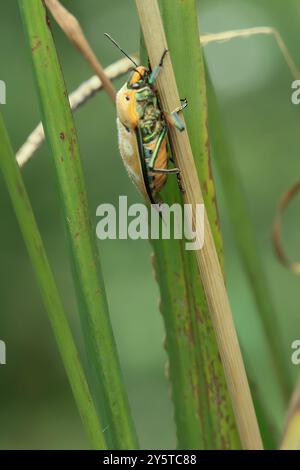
pixel 120 48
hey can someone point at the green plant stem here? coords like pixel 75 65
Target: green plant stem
pixel 51 298
pixel 246 242
pixel 62 140
pixel 203 411
pixel 290 440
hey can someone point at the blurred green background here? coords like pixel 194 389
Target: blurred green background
pixel 253 85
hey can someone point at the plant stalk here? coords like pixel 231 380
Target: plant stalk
pixel 49 291
pixel 62 140
pixel 207 258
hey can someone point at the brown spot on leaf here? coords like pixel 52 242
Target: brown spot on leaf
pixel 72 147
pixel 62 136
pixel 36 46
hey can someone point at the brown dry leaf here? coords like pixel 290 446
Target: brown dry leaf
pixel 71 27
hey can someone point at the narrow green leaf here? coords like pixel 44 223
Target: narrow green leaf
pixel 51 298
pixel 203 410
pixel 248 251
pixel 290 440
pixel 247 244
pixel 62 140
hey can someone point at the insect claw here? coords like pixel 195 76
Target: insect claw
pixel 184 103
pixel 179 181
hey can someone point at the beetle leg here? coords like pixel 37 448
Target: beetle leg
pixel 174 118
pixel 184 103
pixel 156 150
pixel 155 72
pixel 170 171
pixel 179 182
pixel 151 166
pixel 167 171
pixel 155 153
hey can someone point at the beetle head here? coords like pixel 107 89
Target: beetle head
pixel 139 78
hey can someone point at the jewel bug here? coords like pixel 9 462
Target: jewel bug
pixel 142 129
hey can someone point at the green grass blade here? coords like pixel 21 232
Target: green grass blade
pixel 248 251
pixel 290 440
pixel 62 140
pixel 51 298
pixel 185 359
pixel 203 410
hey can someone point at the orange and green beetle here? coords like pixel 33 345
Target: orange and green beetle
pixel 142 128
